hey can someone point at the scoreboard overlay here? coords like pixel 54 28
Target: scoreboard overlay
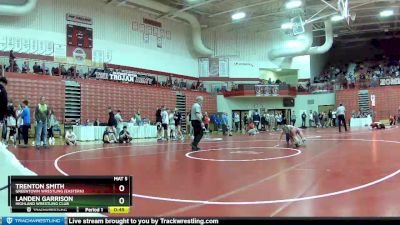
pixel 89 194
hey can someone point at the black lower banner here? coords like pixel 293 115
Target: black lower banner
pixel 206 221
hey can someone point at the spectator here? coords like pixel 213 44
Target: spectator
pixel 52 124
pixel 36 68
pixel 303 119
pixel 119 120
pixel 293 120
pixel 236 120
pixel 26 121
pixel 11 124
pixel 11 60
pixel 109 135
pixel 159 122
pixel 19 122
pixel 125 136
pixel 111 118
pixel 165 122
pixel 96 122
pixel 138 119
pixel 206 121
pixel 224 122
pixel 41 118
pixel 25 67
pixel 256 119
pixel 3 101
pixel 70 137
pixel 251 129
pixel 178 124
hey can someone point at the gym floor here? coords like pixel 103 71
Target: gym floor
pixel 335 174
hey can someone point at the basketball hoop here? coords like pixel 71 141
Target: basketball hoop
pixel 343 7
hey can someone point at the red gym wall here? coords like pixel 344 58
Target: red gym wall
pixel 97 96
pixel 31 87
pixel 387 101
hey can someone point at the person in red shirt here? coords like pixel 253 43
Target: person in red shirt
pixel 206 121
pixel 391 120
pixel 251 128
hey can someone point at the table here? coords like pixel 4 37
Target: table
pixel 93 133
pixel 360 122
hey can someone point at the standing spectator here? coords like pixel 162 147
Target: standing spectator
pixel 334 118
pixel 245 119
pixel 138 118
pixel 341 112
pixel 224 123
pixel 26 121
pixel 3 104
pixel 171 125
pixel 311 119
pixel 178 123
pixel 52 124
pixel 263 122
pixel 119 120
pixel 330 118
pixel 206 121
pixel 293 119
pixel 41 118
pixel 111 118
pixel 11 60
pixel 236 120
pixel 256 119
pixel 165 122
pixel 303 119
pixel 196 119
pixel 11 123
pixel 19 122
pixel 158 123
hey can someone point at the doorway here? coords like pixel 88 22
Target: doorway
pixel 241 113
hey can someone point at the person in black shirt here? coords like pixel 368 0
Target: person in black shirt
pixel 159 122
pixel 125 136
pixel 3 105
pixel 11 60
pixel 178 123
pixel 112 122
pixel 97 122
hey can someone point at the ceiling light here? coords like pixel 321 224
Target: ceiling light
pixel 293 4
pixel 337 18
pixel 386 13
pixel 238 15
pixel 279 69
pixel 287 26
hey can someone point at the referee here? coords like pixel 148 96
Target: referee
pixel 197 124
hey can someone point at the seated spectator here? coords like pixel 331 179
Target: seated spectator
pixel 64 72
pixel 109 135
pixel 124 136
pixel 97 123
pixel 87 123
pixel 25 67
pixel 55 71
pixel 70 137
pixel 251 128
pixel 71 71
pixel 36 68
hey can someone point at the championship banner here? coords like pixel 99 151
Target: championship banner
pixel 79 44
pixel 259 90
pixel 124 77
pixel 389 81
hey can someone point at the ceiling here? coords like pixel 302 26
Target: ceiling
pixel 270 14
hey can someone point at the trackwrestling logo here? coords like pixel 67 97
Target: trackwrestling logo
pixel 9 220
